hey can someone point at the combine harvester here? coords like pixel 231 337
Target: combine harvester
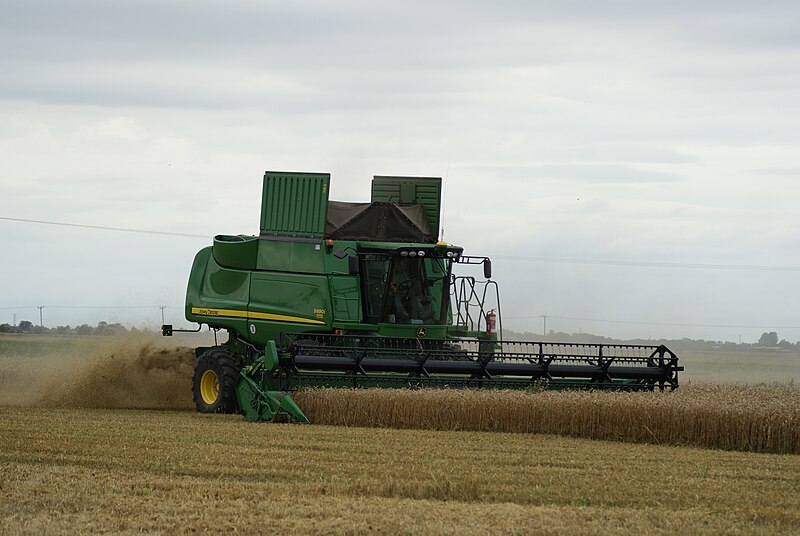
pixel 334 294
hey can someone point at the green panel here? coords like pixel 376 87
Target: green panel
pixel 297 257
pixel 412 330
pixel 294 204
pixel 287 302
pixel 427 191
pixel 236 251
pixel 346 298
pixel 215 295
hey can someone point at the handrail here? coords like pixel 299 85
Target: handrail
pixel 469 294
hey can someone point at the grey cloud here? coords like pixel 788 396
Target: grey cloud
pixel 604 173
pixel 637 108
pixel 611 174
pixel 777 172
pixel 623 152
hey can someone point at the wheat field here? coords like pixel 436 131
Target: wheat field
pixel 763 418
pixel 68 471
pixel 79 455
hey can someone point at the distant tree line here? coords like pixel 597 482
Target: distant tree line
pixel 102 328
pixel 767 341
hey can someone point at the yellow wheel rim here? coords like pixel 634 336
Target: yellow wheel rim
pixel 209 387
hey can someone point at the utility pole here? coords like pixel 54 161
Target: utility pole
pixel 40 307
pixel 162 307
pixel 15 319
pixel 545 324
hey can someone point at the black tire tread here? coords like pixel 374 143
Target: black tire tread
pixel 227 367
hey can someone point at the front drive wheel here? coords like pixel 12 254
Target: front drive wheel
pixel 216 373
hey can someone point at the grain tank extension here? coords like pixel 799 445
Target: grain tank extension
pixel 334 294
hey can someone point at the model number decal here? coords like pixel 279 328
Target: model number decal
pixel 255 315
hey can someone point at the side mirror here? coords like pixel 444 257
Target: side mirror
pixel 352 265
pixel 487 268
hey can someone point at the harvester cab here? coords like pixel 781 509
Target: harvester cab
pixel 365 295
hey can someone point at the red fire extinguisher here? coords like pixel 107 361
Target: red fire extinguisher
pixel 491 322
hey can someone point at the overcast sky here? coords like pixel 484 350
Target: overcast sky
pixel 662 136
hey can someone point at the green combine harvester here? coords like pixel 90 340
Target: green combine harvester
pixel 333 294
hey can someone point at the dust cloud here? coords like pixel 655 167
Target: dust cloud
pixel 132 371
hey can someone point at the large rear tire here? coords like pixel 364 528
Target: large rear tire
pixel 216 373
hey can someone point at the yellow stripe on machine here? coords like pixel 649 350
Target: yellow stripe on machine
pixel 250 315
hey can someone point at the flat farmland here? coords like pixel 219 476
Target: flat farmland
pixel 755 366
pixel 92 470
pixel 98 435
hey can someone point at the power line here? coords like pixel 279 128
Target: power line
pixel 545 317
pixel 651 264
pixel 105 228
pixel 105 307
pixel 557 260
pixel 638 322
pixel 91 307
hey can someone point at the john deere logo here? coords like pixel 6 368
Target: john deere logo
pixel 421 332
